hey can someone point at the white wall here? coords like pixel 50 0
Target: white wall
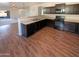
pixel 25 12
pixel 33 10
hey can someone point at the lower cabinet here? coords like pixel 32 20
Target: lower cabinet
pixel 37 26
pixel 40 24
pixel 68 26
pixel 23 30
pixel 28 30
pixel 71 27
pixel 51 23
pixel 31 29
pixel 78 28
pixel 43 23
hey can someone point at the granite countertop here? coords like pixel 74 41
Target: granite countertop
pixel 29 22
pixel 32 19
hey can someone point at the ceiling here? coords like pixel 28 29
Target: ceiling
pixel 18 4
pixel 7 5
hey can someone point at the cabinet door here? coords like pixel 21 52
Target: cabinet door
pixel 30 29
pixel 52 10
pixel 68 26
pixel 69 9
pixel 49 10
pixel 51 23
pixel 23 30
pixel 60 6
pixel 72 9
pixel 46 10
pixel 42 23
pixel 76 8
pixel 78 28
pixel 37 26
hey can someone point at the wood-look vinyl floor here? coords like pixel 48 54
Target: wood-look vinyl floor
pixel 46 42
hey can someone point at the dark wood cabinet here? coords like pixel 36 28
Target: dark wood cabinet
pixel 37 26
pixel 62 9
pixel 46 10
pixel 31 29
pixel 23 30
pixel 43 23
pixel 69 26
pixel 69 9
pixel 76 8
pixel 52 10
pixel 40 24
pixel 72 9
pixel 78 28
pixel 28 30
pixel 49 10
pixel 50 23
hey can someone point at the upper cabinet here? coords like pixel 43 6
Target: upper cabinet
pixel 46 10
pixel 72 9
pixel 69 9
pixel 76 8
pixel 52 10
pixel 62 9
pixel 49 10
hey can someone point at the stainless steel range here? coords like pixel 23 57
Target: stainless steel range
pixel 59 22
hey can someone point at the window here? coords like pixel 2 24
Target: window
pixel 3 13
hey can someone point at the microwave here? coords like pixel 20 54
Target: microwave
pixel 60 11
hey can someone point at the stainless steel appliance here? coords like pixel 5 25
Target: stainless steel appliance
pixel 59 22
pixel 60 11
pixel 60 8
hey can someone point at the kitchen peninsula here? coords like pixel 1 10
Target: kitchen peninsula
pixel 30 25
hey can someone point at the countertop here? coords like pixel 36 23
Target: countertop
pixel 32 19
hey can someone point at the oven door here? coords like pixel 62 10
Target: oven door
pixel 59 25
